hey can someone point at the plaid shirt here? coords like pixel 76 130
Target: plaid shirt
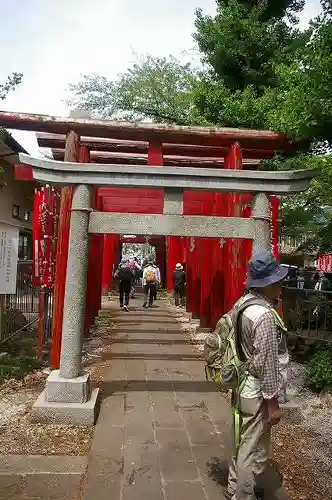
pixel 265 359
pixel 267 346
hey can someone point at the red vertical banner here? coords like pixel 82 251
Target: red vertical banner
pixel 36 237
pixel 44 224
pixel 41 261
pixel 48 238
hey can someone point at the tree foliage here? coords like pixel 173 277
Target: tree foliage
pixel 160 89
pixel 262 72
pixel 10 84
pixel 245 40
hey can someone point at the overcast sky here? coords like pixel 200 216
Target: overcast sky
pixel 52 45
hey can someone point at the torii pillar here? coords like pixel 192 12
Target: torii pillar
pixel 67 397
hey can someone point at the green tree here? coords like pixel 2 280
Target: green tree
pixel 261 72
pixel 160 89
pixel 241 48
pixel 10 84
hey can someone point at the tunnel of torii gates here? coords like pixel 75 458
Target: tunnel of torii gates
pixel 196 193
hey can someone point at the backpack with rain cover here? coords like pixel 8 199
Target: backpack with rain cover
pixel 150 276
pixel 225 363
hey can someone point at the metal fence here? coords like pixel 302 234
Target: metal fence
pixel 20 310
pixel 308 313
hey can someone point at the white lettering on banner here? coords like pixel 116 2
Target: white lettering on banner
pixel 8 258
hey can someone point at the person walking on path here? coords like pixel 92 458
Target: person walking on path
pixel 150 283
pixel 179 281
pixel 261 343
pixel 125 276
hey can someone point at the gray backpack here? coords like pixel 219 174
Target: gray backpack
pixel 225 363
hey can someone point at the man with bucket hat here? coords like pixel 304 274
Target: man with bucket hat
pixel 261 343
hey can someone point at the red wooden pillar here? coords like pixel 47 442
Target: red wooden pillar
pixel 206 267
pixel 71 155
pixel 233 268
pixel 175 253
pixel 155 154
pixel 193 277
pixel 218 265
pixel 155 157
pixel 108 262
pixel 192 206
pixel 95 262
pixel 161 257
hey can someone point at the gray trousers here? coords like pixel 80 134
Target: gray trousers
pixel 249 461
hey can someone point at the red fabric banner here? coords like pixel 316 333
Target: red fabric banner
pixel 324 263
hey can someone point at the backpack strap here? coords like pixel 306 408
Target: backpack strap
pixel 254 301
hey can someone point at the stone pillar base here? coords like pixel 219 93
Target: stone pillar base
pixel 66 413
pixel 64 390
pixel 66 401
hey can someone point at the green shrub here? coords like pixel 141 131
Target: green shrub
pixel 319 368
pixel 19 366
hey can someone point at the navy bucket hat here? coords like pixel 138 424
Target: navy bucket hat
pixel 264 270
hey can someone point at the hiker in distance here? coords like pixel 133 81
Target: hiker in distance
pixel 150 284
pixel 248 353
pixel 125 276
pixel 179 282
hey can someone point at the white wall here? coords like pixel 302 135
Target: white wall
pixel 14 192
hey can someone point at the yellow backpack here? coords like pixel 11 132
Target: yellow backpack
pixel 150 276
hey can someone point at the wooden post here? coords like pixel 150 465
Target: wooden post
pixel 72 155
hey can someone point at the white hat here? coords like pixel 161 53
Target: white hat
pixel 178 266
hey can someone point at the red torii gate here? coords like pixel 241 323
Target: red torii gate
pixel 215 268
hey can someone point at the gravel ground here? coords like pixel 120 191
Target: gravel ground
pixel 302 449
pixel 20 436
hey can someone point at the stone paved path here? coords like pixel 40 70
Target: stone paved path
pixel 163 432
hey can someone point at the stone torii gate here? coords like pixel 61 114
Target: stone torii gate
pixel 67 397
